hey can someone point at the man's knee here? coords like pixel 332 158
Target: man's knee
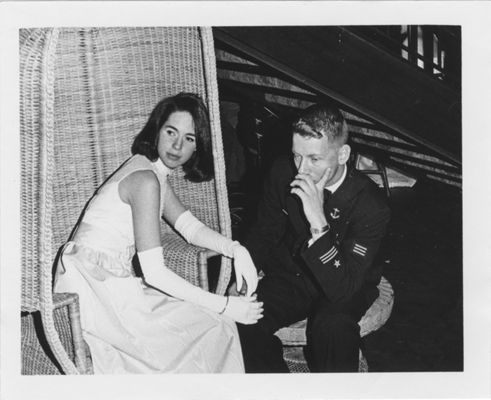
pixel 333 325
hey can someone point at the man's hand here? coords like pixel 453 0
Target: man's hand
pixel 312 196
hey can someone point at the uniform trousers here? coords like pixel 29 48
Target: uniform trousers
pixel 333 333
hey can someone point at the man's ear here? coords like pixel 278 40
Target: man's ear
pixel 343 154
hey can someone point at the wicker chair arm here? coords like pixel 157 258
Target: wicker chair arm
pixel 64 299
pixel 187 260
pixel 81 351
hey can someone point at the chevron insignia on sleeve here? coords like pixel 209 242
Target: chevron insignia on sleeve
pixel 328 256
pixel 359 249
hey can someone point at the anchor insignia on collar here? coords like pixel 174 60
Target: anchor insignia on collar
pixel 335 213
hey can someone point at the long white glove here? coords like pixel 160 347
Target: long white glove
pixel 197 233
pixel 245 310
pixel 244 269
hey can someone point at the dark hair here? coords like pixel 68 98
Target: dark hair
pixel 199 167
pixel 322 120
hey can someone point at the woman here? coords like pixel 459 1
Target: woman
pixel 143 326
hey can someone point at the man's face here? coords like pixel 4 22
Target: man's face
pixel 314 156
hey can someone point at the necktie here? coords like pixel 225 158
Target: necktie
pixel 327 195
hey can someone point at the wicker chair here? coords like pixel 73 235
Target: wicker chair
pixel 85 94
pixel 294 339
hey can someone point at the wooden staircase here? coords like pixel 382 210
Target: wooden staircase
pixel 399 114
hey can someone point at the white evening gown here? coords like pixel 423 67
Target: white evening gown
pixel 129 327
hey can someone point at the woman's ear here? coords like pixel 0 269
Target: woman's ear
pixel 343 154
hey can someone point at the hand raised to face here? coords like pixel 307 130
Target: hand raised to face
pixel 312 196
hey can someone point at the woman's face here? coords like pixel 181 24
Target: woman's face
pixel 177 139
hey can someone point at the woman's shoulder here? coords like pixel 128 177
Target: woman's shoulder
pixel 138 162
pixel 140 171
pixel 135 171
pixel 143 178
pixel 133 164
pixel 139 184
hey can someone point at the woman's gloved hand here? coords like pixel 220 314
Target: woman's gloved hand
pixel 245 309
pixel 244 268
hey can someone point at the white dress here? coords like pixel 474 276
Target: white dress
pixel 129 327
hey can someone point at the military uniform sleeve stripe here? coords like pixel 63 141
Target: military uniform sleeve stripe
pixel 329 255
pixel 359 249
pixel 332 251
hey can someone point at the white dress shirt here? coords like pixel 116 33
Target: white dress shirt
pixel 332 188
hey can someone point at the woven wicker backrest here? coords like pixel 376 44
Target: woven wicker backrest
pixel 106 82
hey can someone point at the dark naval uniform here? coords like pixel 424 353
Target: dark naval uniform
pixel 332 281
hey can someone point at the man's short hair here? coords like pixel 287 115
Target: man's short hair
pixel 322 120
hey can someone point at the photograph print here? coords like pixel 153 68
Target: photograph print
pixel 241 199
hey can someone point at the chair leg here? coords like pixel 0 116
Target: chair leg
pixel 79 345
pixel 385 179
pixel 363 363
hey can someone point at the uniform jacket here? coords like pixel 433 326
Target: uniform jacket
pixel 341 261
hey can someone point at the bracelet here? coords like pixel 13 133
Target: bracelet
pixel 316 231
pixel 224 307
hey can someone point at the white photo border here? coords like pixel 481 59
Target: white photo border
pixel 475 19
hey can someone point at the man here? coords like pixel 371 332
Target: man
pixel 319 228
